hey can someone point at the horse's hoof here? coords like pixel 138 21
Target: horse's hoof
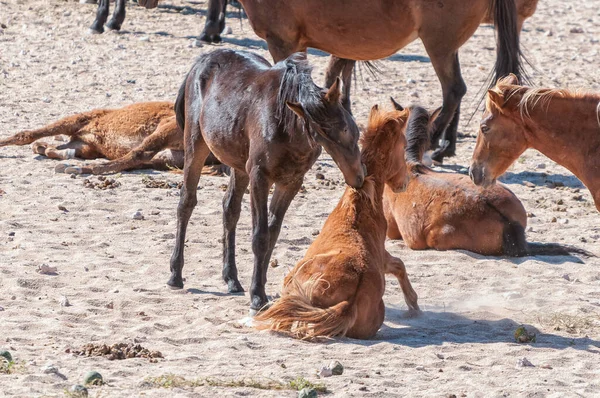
pixel 92 31
pixel 234 287
pixel 72 170
pixel 413 313
pixel 61 167
pixel 206 38
pixel 259 305
pixel 175 283
pixel 113 26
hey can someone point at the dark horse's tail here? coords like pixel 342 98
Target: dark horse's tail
pixel 180 104
pixel 509 58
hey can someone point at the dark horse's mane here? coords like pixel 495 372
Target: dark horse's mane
pixel 297 86
pixel 417 134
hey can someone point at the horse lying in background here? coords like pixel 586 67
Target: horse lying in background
pixel 562 125
pixel 143 135
pixel 337 288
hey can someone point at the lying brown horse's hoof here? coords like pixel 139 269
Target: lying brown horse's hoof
pixel 76 170
pixel 61 167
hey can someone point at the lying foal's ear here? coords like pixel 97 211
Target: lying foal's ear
pixel 496 98
pixel 397 106
pixel 335 92
pixel 296 108
pixel 512 79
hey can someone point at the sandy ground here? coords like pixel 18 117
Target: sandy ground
pixel 113 269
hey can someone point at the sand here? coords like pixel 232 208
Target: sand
pixel 113 269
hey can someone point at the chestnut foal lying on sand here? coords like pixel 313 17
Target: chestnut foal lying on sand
pixel 337 288
pixel 143 135
pixel 562 125
pixel 446 211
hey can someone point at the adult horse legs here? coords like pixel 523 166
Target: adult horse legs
pixel 101 17
pixel 447 68
pixel 196 152
pixel 341 67
pixel 118 16
pixel 232 205
pixel 215 21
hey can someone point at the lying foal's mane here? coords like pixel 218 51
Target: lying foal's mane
pixel 417 134
pixel 297 86
pixel 532 97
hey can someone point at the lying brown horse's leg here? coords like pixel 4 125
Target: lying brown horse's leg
pixel 447 68
pixel 396 267
pixel 232 206
pixel 70 150
pixel 341 67
pixel 101 17
pixel 196 152
pixel 118 16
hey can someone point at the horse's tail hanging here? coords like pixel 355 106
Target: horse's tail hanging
pixel 180 105
pixel 294 313
pixel 509 58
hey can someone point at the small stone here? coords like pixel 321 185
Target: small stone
pixel 307 392
pixel 420 368
pixel 11 234
pixel 440 356
pixel 576 30
pixel 411 81
pixel 560 202
pixel 545 366
pixel 274 263
pixel 49 369
pixel 529 184
pixel 566 277
pixel 67 14
pixel 541 166
pixel 78 391
pixel 227 30
pixel 315 232
pixel 549 33
pixel 93 378
pixel 45 269
pixel 155 212
pixel 512 295
pixel 137 215
pixel 523 363
pixel 324 372
pixel 336 368
pixel 64 301
pixel 62 208
pixel 530 215
pixel 319 176
pixel 144 38
pixel 414 94
pixel 523 336
pixel 563 221
pixel 110 305
pixel 553 219
pixel 6 355
pixel 46 100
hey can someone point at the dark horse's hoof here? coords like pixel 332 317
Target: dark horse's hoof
pixel 212 38
pixel 259 304
pixel 234 286
pixel 95 31
pixel 113 25
pixel 175 282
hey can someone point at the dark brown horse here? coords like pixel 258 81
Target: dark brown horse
pixel 268 124
pixel 362 30
pixel 446 211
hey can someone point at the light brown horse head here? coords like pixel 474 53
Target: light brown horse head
pixel 383 145
pixel 501 138
pixel 335 130
pixel 148 3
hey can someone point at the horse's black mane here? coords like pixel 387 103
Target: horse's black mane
pixel 417 134
pixel 297 86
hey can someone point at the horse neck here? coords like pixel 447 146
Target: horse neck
pixel 565 130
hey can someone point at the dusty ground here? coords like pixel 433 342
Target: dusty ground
pixel 113 269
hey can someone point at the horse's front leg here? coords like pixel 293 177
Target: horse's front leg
pixel 280 202
pixel 447 68
pixel 118 16
pixel 101 17
pixel 232 206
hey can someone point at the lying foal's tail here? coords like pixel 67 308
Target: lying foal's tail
pixel 68 126
pixel 509 58
pixel 295 314
pixel 515 245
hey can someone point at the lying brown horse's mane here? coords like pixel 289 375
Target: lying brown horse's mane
pixel 297 86
pixel 533 97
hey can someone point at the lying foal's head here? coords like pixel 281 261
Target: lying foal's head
pixel 501 139
pixel 326 120
pixel 383 145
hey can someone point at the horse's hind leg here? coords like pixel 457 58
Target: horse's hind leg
pixel 215 21
pixel 232 206
pixel 101 17
pixel 396 267
pixel 447 67
pixel 341 67
pixel 118 16
pixel 196 152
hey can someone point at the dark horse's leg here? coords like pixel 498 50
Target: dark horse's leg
pixel 344 67
pixel 215 21
pixel 118 16
pixel 447 67
pixel 101 17
pixel 266 232
pixel 232 206
pixel 196 152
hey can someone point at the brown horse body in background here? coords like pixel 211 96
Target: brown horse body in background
pixel 446 211
pixel 337 288
pixel 362 30
pixel 143 135
pixel 268 123
pixel 562 125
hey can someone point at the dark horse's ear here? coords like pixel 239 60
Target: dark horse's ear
pixel 296 108
pixel 397 106
pixel 335 92
pixel 496 98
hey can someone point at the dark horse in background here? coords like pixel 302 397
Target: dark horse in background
pixel 268 123
pixel 215 16
pixel 365 30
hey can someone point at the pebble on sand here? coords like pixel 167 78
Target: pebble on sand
pixel 137 215
pixel 524 363
pixel 94 378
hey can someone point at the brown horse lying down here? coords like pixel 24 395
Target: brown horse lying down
pixel 562 125
pixel 446 211
pixel 143 135
pixel 337 288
